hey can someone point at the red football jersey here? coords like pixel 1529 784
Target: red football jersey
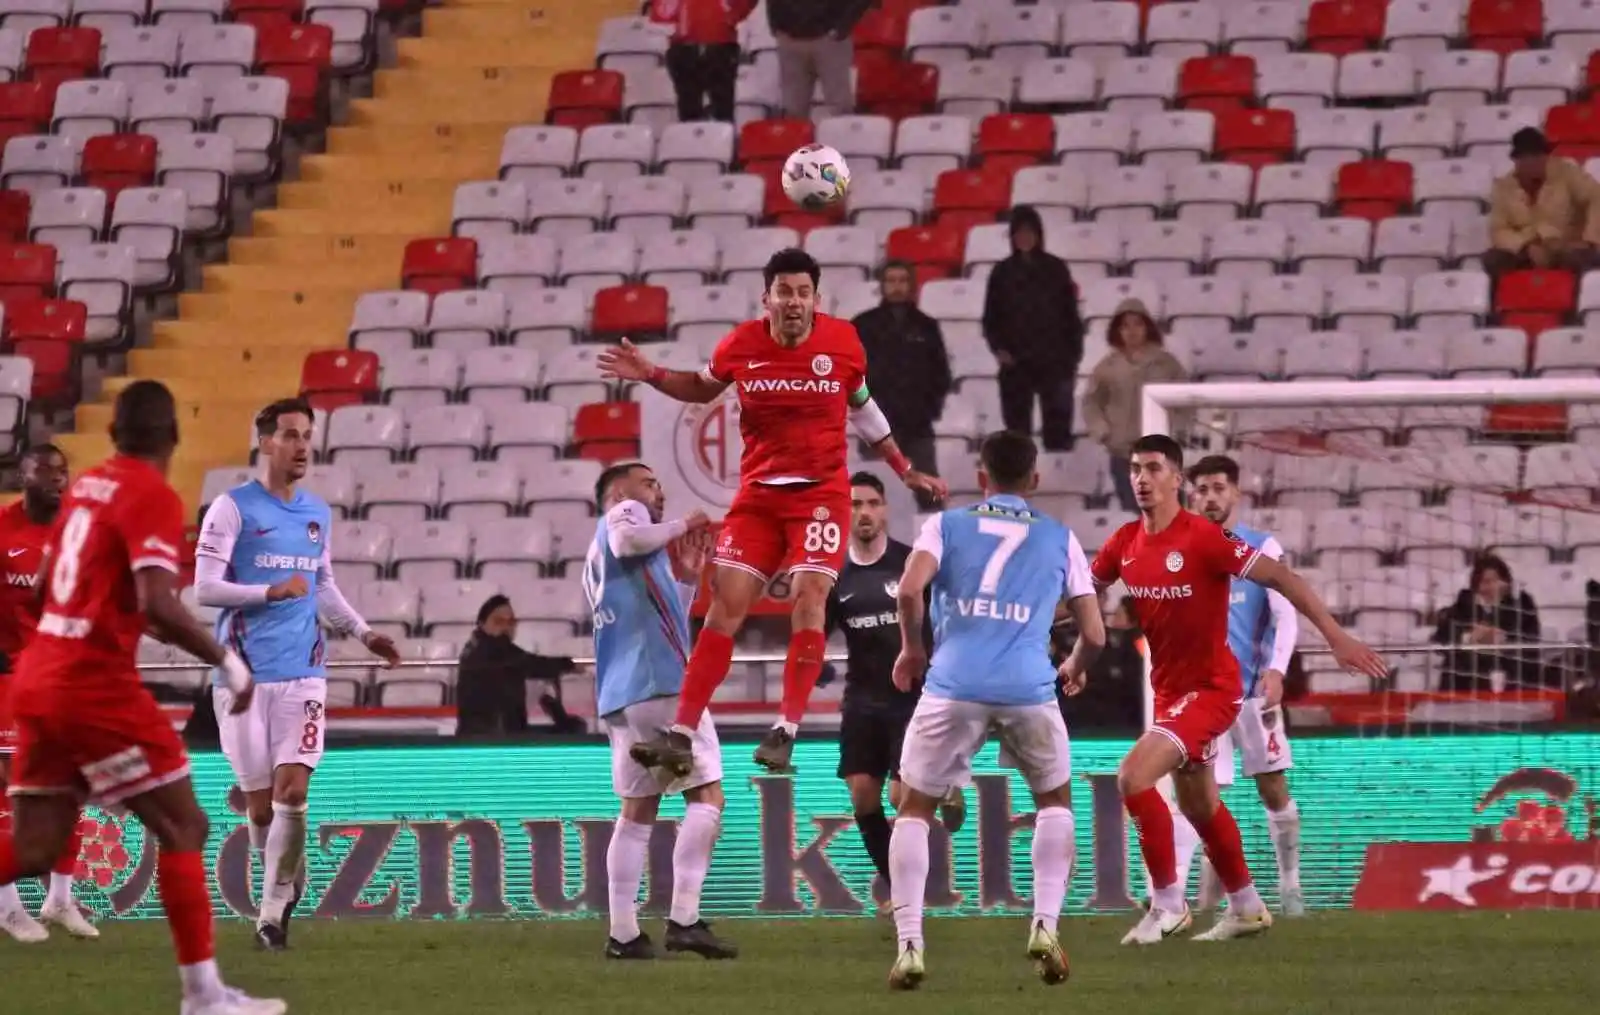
pixel 22 540
pixel 794 403
pixel 1180 580
pixel 116 519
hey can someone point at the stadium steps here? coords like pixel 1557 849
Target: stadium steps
pixel 389 175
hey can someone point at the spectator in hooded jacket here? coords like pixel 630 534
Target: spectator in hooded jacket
pixel 1031 321
pixel 703 58
pixel 1113 404
pixel 814 47
pixel 908 369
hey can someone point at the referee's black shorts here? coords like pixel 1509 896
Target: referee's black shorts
pixel 870 739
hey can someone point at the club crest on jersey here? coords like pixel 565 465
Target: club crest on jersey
pixel 1174 562
pixel 820 514
pixel 314 532
pixel 891 588
pixel 822 365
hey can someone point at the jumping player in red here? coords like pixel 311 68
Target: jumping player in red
pixel 800 377
pixel 1178 567
pixel 86 728
pixel 24 530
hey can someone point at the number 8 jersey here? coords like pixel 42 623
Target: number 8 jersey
pixel 116 519
pixel 1002 568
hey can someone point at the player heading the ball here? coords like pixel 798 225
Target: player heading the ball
pixel 1179 569
pixel 800 378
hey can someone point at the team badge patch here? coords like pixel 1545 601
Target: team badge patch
pixel 892 589
pixel 1174 562
pixel 822 366
pixel 314 711
pixel 314 532
pixel 820 514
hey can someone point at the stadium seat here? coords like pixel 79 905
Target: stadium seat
pixel 1344 26
pixel 1297 81
pixel 615 151
pixel 768 142
pixel 976 88
pixel 115 162
pixel 881 31
pixel 25 108
pixel 45 320
pixel 200 165
pixel 333 378
pixel 300 55
pixel 439 265
pixel 581 98
pixel 1504 26
pixel 67 216
pixel 1373 189
pixel 102 276
pixel 15 208
pixel 1535 300
pixel 607 431
pixel 634 311
pixel 1183 31
pixel 897 90
pixel 368 438
pixel 86 108
pixel 1018 34
pixel 933 252
pixel 1574 130
pixel 1217 83
pixel 54 370
pixel 57 55
pixel 109 14
pixel 1249 248
pixel 27 271
pixel 969 197
pixel 1255 137
pixel 251 111
pixel 1011 141
pixel 466 320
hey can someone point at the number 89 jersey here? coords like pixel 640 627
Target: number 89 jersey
pixel 115 520
pixel 1002 569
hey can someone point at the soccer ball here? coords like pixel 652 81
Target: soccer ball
pixel 816 176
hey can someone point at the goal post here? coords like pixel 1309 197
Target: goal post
pixel 1386 493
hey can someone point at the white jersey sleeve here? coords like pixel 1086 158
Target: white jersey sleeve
pixel 931 539
pixel 220 529
pixel 1286 620
pixel 213 554
pixel 630 532
pixel 1080 581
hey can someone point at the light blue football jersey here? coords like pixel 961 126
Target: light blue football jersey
pixel 1002 568
pixel 266 541
pixel 641 621
pixel 1251 626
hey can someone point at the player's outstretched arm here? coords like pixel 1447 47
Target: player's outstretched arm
pixel 1349 650
pixel 173 624
pixel 872 426
pixel 631 533
pixel 626 362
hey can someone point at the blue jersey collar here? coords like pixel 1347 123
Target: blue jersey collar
pixel 1008 500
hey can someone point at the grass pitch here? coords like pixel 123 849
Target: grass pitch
pixel 1413 964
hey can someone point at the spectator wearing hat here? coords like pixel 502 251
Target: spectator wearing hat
pixel 491 682
pixel 1545 213
pixel 703 57
pixel 1113 405
pixel 1032 324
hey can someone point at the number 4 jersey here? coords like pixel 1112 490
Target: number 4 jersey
pixel 1003 567
pixel 116 519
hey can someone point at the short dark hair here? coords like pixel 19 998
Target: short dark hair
pixel 491 604
pixel 267 418
pixel 897 264
pixel 1488 561
pixel 791 261
pixel 865 478
pixel 1215 465
pixel 611 474
pixel 1159 444
pixel 37 451
pixel 144 421
pixel 1009 458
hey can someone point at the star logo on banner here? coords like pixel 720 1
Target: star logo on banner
pixel 1456 880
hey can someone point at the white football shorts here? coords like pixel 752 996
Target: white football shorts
pixel 286 724
pixel 944 735
pixel 644 720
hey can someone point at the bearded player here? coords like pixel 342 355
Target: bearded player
pixel 264 559
pixel 1179 569
pixel 87 729
pixel 640 577
pixel 24 530
pixel 799 377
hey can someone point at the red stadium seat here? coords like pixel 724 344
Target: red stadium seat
pixel 115 162
pixel 15 207
pixel 765 142
pixel 1345 26
pixel 897 90
pixel 607 431
pixel 581 98
pixel 1505 26
pixel 27 271
pixel 302 56
pixel 441 264
pixel 963 198
pixel 1015 140
pixel 46 320
pixel 1374 189
pixel 1217 83
pixel 1254 137
pixel 330 378
pixel 638 312
pixel 55 369
pixel 266 13
pixel 1536 300
pixel 933 251
pixel 25 108
pixel 1574 129
pixel 881 29
pixel 62 54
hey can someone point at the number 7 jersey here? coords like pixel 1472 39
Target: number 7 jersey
pixel 1003 567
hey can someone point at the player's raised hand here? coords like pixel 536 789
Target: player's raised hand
pixel 933 486
pixel 1357 657
pixel 1073 678
pixel 689 555
pixel 624 363
pixel 382 646
pixel 293 587
pixel 696 521
pixel 909 668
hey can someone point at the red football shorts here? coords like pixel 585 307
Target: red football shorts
pixel 1194 721
pixel 8 729
pixel 773 529
pixel 104 752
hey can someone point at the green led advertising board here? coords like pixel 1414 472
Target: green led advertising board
pixel 446 832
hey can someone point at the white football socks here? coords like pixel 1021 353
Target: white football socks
pixel 1053 829
pixel 1284 827
pixel 691 859
pixel 625 859
pixel 908 877
pixel 10 900
pixel 286 851
pixel 1186 841
pixel 60 893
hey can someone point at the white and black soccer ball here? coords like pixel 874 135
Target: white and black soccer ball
pixel 816 176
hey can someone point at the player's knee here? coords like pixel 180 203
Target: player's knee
pixel 726 615
pixel 1131 783
pixel 1274 790
pixel 291 794
pixel 709 794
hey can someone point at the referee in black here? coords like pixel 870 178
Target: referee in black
pixel 875 714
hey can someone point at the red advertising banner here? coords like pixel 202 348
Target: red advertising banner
pixel 1480 875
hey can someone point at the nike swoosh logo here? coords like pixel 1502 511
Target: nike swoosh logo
pixel 846 599
pixel 16 553
pixel 1128 560
pixel 757 364
pixel 262 532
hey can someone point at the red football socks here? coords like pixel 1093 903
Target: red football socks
pixel 1225 848
pixel 708 667
pixel 801 670
pixel 67 862
pixel 181 879
pixel 1153 819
